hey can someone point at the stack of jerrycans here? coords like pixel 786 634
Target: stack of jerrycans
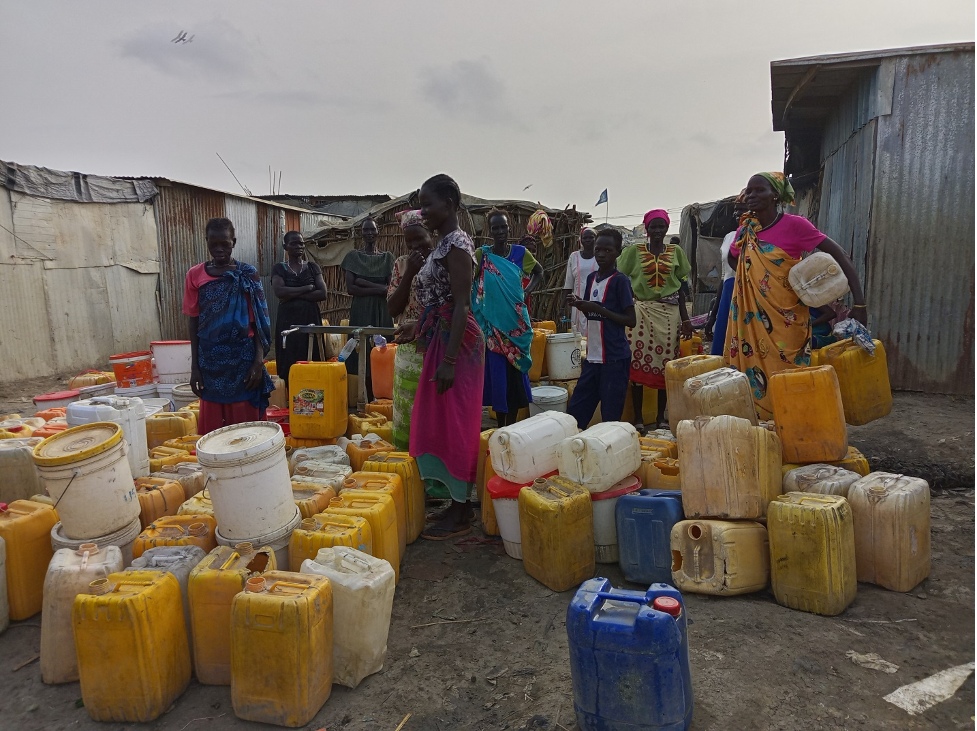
pixel 214 582
pixel 812 539
pixel 731 470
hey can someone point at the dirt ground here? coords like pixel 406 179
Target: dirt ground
pixel 475 643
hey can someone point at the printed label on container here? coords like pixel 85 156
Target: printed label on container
pixel 575 357
pixel 308 402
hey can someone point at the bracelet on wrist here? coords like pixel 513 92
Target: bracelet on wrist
pixel 449 360
pixel 859 307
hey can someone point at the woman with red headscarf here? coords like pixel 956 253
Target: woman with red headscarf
pixel 658 273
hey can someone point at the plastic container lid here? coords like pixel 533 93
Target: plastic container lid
pixel 627 485
pixel 500 488
pixel 170 342
pixel 668 605
pixel 128 356
pixel 57 396
pixel 77 443
pixel 241 441
pixel 561 337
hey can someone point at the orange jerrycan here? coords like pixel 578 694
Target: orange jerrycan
pixel 328 530
pixel 862 378
pixel 177 530
pixel 359 452
pixel 537 353
pixel 213 584
pixel 131 640
pixel 809 415
pixel 382 366
pixel 25 527
pixel 556 523
pixel 480 474
pixel 390 484
pixel 317 402
pixel 401 463
pixel 812 552
pixel 379 511
pixel 382 406
pixel 157 498
pixel 190 475
pixel 188 443
pixel 281 648
pixel 311 495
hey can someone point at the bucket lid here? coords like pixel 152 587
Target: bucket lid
pixel 170 342
pixel 183 389
pixel 627 485
pixel 77 443
pixel 549 394
pixel 127 356
pixel 561 337
pixel 501 488
pixel 57 395
pixel 240 441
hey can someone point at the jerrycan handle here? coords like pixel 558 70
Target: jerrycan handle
pixel 673 611
pixel 338 561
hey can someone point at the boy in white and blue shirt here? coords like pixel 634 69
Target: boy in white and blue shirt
pixel 609 306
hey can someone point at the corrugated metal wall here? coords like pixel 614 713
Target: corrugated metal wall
pixel 920 283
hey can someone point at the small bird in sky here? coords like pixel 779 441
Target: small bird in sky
pixel 181 37
pixel 528 187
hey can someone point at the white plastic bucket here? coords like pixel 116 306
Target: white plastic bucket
pixel 276 540
pixel 248 480
pixel 507 516
pixel 549 398
pixel 157 405
pixel 129 413
pixel 182 395
pixel 142 392
pixel 85 472
pixel 101 389
pixel 605 522
pixel 563 356
pixel 123 538
pixel 173 360
pixel 55 400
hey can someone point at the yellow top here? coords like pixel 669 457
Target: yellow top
pixel 77 443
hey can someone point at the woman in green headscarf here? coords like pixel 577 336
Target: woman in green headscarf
pixel 769 327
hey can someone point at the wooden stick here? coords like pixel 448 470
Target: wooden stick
pixel 449 621
pixel 403 723
pixel 27 662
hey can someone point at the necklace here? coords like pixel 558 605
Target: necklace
pixel 301 267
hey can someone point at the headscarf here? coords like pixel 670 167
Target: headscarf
pixel 656 213
pixel 749 223
pixel 781 187
pixel 410 218
pixel 585 229
pixel 540 226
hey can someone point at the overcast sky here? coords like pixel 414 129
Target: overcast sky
pixel 662 103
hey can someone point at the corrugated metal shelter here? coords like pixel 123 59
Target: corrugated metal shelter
pixel 91 266
pixel 880 146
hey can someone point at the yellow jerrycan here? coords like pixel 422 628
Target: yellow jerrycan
pixel 158 497
pixel 812 552
pixel 311 496
pixel 391 484
pixel 677 372
pixel 809 415
pixel 490 526
pixel 281 648
pixel 480 480
pixel 131 641
pixel 317 400
pixel 862 378
pixel 168 425
pixel 213 584
pixel 720 557
pixel 328 530
pixel 177 530
pixel 379 511
pixel 360 422
pixel 382 406
pixel 25 526
pixel 403 464
pixel 360 452
pixel 556 523
pixel 854 461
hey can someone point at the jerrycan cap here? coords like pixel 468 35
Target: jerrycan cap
pixel 4 507
pixel 255 585
pixel 668 605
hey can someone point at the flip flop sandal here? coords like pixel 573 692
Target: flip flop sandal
pixel 445 534
pixel 442 514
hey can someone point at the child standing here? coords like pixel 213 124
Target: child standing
pixel 608 305
pixel 580 266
